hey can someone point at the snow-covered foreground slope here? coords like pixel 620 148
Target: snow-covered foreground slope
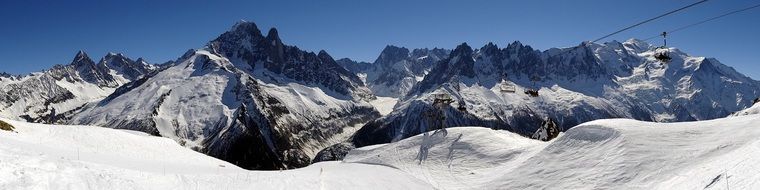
pixel 602 154
pixel 40 156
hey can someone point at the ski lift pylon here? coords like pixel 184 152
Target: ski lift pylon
pixel 531 92
pixel 436 114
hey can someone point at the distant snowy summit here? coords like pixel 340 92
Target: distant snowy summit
pixel 58 93
pixel 396 70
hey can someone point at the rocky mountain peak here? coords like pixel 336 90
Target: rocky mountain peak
pixel 391 54
pixel 490 49
pixel 247 28
pixel 515 45
pixel 141 61
pixel 462 50
pixel 273 35
pixel 324 55
pixel 4 74
pixel 82 59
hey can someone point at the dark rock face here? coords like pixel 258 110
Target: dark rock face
pixel 5 126
pixel 547 131
pixel 246 42
pixel 334 153
pixel 459 63
pixel 391 55
pixel 354 66
pixel 397 127
pixel 131 70
pixel 90 72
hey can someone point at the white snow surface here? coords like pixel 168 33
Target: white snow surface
pixel 601 154
pixel 38 156
pixel 384 104
pixel 755 109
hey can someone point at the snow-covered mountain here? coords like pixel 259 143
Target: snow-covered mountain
pixel 577 84
pixel 245 98
pixel 55 94
pixel 396 70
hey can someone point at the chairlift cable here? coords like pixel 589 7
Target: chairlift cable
pixel 649 20
pixel 704 21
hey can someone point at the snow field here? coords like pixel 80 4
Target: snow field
pixel 602 154
pixel 85 157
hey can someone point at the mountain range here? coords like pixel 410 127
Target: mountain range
pixel 56 94
pixel 577 84
pixel 249 99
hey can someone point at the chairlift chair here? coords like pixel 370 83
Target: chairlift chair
pixel 533 92
pixel 462 106
pixel 661 53
pixel 442 97
pixel 506 87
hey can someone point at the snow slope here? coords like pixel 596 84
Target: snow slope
pixel 384 104
pixel 602 154
pixel 39 156
pixel 755 109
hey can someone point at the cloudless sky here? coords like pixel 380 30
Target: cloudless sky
pixel 34 35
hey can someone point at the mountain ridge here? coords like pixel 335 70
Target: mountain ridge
pixel 576 84
pixel 53 95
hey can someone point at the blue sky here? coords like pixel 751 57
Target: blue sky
pixel 38 34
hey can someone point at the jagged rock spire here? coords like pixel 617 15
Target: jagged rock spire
pixel 81 58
